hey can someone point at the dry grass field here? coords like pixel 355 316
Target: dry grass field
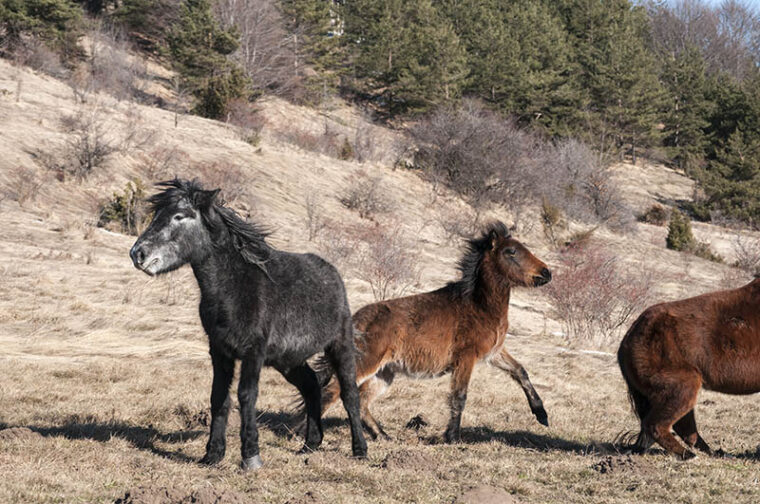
pixel 105 375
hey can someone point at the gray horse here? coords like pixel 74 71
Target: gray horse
pixel 258 304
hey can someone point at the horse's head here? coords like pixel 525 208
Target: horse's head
pixel 511 260
pixel 178 233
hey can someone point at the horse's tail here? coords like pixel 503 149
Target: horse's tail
pixel 639 402
pixel 324 371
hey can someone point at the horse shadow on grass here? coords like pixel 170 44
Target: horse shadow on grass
pixel 284 423
pixel 143 438
pixel 530 440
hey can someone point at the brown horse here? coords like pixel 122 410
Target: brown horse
pixel 447 330
pixel 674 349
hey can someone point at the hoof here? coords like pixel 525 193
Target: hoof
pixel 359 453
pixel 210 460
pixel 251 463
pixel 452 438
pixel 542 418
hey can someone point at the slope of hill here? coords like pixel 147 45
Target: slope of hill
pixel 108 369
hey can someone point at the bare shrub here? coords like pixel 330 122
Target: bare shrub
pixel 224 175
pixel 23 185
pixel 366 194
pixel 249 122
pixel 378 254
pixel 34 53
pixel 474 152
pixel 553 222
pixel 594 297
pixel 387 262
pixel 365 145
pixel 457 223
pixel 112 69
pixel 488 159
pixel 747 253
pixel 315 219
pixel 88 145
pixel 162 161
pixel 577 179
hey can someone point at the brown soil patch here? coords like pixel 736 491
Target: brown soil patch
pixel 169 495
pixel 486 494
pixel 402 459
pixel 20 433
pixel 610 464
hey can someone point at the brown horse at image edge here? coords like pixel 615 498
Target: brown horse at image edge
pixel 675 349
pixel 447 330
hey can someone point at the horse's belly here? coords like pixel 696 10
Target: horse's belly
pixel 738 377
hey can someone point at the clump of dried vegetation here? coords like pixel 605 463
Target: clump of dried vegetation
pixel 594 296
pixel 366 194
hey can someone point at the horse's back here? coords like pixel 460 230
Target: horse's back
pixel 706 334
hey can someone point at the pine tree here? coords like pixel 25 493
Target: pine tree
pixel 57 22
pixel 311 25
pixel 199 49
pixel 404 52
pixel 687 108
pixel 518 55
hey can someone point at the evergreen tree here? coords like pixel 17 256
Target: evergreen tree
pixel 57 22
pixel 199 49
pixel 518 55
pixel 616 89
pixel 683 76
pixel 404 52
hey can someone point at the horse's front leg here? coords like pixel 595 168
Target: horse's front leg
pixel 224 369
pixel 507 363
pixel 248 391
pixel 460 380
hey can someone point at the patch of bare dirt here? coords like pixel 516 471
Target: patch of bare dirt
pixel 486 494
pixel 610 464
pixel 19 433
pixel 402 459
pixel 171 495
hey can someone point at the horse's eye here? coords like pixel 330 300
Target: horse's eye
pixel 510 251
pixel 178 217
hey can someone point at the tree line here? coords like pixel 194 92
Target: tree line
pixel 678 80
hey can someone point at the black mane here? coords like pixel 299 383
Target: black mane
pixel 247 238
pixel 469 264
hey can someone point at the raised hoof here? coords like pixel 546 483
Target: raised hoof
pixel 542 417
pixel 252 463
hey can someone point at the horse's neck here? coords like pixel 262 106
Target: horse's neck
pixel 494 299
pixel 220 270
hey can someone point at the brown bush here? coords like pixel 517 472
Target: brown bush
pixel 249 122
pixel 227 176
pixel 594 297
pixel 23 185
pixel 378 254
pixel 366 194
pixel 456 223
pixel 315 219
pixel 88 145
pixel 656 214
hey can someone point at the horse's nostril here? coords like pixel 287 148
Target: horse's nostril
pixel 138 255
pixel 546 273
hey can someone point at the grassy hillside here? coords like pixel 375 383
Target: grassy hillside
pixel 106 375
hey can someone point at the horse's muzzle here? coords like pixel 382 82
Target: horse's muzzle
pixel 545 278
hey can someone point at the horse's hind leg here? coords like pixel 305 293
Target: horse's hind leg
pixel 686 428
pixel 305 380
pixel 671 401
pixel 341 353
pixel 370 390
pixel 507 363
pixel 460 380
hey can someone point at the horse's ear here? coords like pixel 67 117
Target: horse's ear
pixel 493 238
pixel 204 199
